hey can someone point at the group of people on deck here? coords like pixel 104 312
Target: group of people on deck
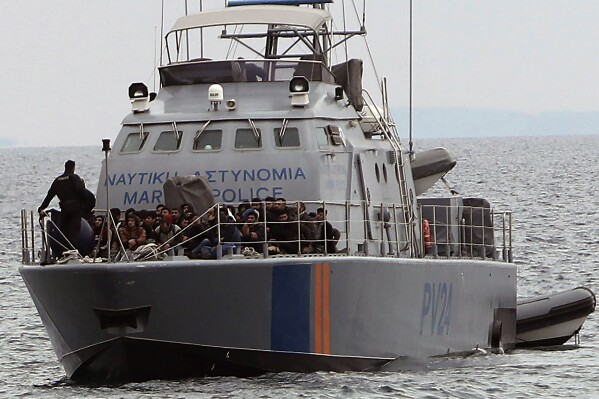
pixel 270 224
pixel 138 228
pixel 257 225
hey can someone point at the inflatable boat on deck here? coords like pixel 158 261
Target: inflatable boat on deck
pixel 429 166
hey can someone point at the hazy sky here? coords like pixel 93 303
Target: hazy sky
pixel 66 65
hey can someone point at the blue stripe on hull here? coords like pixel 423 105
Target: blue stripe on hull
pixel 290 327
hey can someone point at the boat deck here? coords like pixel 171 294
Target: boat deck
pixel 456 229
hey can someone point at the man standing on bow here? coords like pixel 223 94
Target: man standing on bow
pixel 69 188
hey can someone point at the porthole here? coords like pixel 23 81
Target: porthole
pixel 377 172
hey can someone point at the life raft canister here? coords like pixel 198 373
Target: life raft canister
pixel 426 233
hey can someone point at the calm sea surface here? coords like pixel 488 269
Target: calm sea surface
pixel 551 185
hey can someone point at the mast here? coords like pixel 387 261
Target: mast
pixel 411 144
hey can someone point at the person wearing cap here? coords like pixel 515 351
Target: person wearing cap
pixel 70 190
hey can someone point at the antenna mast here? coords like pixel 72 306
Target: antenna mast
pixel 410 106
pixel 187 31
pixel 161 30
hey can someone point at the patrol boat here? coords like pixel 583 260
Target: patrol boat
pixel 409 277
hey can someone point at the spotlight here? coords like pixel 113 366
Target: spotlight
pixel 139 97
pixel 299 87
pixel 299 84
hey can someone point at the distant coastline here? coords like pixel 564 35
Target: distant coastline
pixel 467 122
pixel 4 142
pixel 457 122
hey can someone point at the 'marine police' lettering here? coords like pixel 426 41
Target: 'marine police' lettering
pixel 145 188
pixel 213 176
pixel 153 197
pixel 436 303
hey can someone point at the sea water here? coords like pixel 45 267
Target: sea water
pixel 550 184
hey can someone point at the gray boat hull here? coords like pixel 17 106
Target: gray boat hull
pixel 138 321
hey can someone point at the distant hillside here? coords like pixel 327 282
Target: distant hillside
pixel 461 122
pixel 467 122
pixel 4 142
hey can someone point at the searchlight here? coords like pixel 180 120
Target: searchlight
pixel 299 88
pixel 139 97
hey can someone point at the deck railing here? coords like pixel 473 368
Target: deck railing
pixel 359 229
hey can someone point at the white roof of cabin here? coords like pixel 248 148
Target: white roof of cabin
pixel 312 18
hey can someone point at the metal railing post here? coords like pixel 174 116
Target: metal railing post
pixel 347 226
pixel 32 238
pixel 219 254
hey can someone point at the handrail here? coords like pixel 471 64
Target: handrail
pixel 487 235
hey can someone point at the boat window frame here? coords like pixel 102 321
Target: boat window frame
pixel 288 129
pixel 200 72
pixel 193 149
pixel 144 140
pixel 174 133
pixel 252 132
pixel 323 132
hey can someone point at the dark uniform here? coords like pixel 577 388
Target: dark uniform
pixel 253 72
pixel 70 190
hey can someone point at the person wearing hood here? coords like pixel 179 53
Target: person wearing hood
pixel 252 231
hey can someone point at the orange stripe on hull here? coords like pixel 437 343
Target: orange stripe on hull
pixel 318 309
pixel 326 300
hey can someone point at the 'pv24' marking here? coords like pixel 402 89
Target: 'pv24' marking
pixel 436 304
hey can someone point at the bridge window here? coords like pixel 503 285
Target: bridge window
pixel 208 140
pixel 248 138
pixel 289 138
pixel 134 142
pixel 322 138
pixel 168 141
